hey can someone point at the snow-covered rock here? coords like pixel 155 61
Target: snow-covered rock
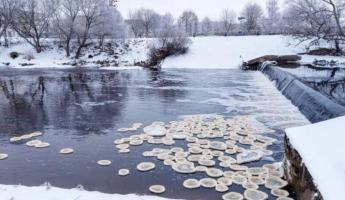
pixel 321 147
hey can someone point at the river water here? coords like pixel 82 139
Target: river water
pixel 83 109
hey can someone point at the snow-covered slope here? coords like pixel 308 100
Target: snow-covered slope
pixel 322 148
pixel 230 52
pixel 52 193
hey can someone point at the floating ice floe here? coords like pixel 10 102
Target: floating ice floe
pixel 66 151
pixel 280 193
pixel 249 156
pixel 184 167
pixel 146 166
pixel 3 156
pixel 157 189
pixel 222 188
pixel 273 182
pixel 26 136
pixel 123 172
pixel 191 184
pixel 208 182
pixel 42 145
pixel 255 195
pixel 104 162
pixel 214 172
pixel 232 196
pixel 155 130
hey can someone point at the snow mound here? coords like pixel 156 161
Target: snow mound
pixel 322 148
pixel 229 52
pixel 53 193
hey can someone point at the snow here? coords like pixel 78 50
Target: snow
pixel 322 148
pixel 128 52
pixel 52 193
pixel 230 52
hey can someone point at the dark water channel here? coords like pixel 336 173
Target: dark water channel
pixel 83 109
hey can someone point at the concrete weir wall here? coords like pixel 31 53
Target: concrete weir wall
pixel 314 105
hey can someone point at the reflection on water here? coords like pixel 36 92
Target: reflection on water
pixel 82 109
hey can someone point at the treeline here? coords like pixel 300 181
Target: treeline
pixel 84 22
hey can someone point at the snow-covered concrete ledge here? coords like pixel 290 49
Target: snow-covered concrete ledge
pixel 314 105
pixel 52 193
pixel 315 160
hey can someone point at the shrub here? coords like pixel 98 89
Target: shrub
pixel 170 43
pixel 14 55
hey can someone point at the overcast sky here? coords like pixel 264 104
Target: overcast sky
pixel 210 8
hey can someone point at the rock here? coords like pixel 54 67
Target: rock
pixel 280 60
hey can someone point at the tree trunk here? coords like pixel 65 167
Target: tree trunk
pixel 337 47
pixel 68 48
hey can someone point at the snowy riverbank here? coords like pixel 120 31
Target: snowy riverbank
pixel 205 52
pixel 53 193
pixel 121 53
pixel 231 52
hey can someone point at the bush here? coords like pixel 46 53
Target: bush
pixel 14 55
pixel 170 43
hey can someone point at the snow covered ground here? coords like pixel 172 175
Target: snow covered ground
pixel 322 148
pixel 205 52
pixel 52 193
pixel 230 52
pixel 126 54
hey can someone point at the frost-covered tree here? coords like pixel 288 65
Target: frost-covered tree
pixel 87 20
pixel 188 22
pixel 31 20
pixel 272 23
pixel 109 23
pixel 65 21
pixel 144 22
pixel 207 26
pixel 317 20
pixel 228 20
pixel 7 9
pixel 253 14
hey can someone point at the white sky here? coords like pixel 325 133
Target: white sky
pixel 210 8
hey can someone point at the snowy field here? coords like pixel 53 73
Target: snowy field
pixel 323 155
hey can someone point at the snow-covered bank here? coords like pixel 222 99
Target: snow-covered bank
pixel 230 52
pixel 121 53
pixel 53 193
pixel 322 148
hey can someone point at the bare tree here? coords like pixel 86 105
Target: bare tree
pixel 189 22
pixel 86 21
pixel 109 25
pixel 207 26
pixel 7 9
pixel 273 21
pixel 31 20
pixel 253 14
pixel 228 20
pixel 317 20
pixel 65 21
pixel 135 23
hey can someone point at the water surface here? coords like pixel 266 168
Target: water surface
pixel 82 109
